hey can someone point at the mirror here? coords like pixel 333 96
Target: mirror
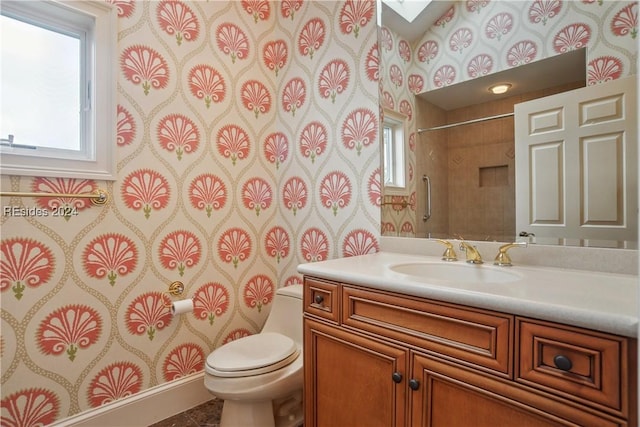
pixel 438 169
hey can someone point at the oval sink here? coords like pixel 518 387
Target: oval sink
pixel 455 272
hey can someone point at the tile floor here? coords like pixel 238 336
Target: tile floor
pixel 204 415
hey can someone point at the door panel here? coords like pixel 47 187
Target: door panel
pixel 602 159
pixel 576 164
pixel 547 176
pixel 351 379
pixel 454 396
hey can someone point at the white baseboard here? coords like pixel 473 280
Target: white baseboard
pixel 147 407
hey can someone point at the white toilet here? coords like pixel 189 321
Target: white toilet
pixel 260 376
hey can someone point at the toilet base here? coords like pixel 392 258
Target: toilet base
pixel 243 413
pixel 285 412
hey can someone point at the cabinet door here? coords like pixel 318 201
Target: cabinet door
pixel 453 396
pixel 351 380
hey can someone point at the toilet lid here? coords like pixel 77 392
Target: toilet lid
pixel 252 355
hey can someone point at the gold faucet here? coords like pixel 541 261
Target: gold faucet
pixel 473 256
pixel 503 259
pixel 449 254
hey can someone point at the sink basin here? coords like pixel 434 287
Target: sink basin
pixel 455 273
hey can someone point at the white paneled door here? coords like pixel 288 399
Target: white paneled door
pixel 577 165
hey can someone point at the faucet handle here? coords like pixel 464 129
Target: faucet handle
pixel 473 255
pixel 449 253
pixel 503 259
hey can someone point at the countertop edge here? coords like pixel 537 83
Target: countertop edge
pixel 617 324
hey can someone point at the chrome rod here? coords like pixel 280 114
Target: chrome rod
pixel 98 197
pixel 467 122
pixel 427 182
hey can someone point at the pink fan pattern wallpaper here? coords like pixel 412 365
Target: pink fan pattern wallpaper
pixel 247 143
pixel 245 134
pixel 479 37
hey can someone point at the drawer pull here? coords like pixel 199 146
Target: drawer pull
pixel 319 299
pixel 562 362
pixel 414 384
pixel 396 377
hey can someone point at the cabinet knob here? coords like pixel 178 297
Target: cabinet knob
pixel 396 377
pixel 414 384
pixel 562 362
pixel 319 299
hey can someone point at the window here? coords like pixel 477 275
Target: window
pixel 57 110
pixel 394 158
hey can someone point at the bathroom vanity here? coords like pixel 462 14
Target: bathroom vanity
pixel 388 344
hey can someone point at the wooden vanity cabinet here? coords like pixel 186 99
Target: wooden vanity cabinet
pixel 375 358
pixel 450 395
pixel 349 379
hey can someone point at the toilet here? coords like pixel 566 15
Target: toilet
pixel 259 377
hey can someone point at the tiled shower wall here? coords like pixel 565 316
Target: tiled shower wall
pixel 247 144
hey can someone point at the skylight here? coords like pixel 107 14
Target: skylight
pixel 408 9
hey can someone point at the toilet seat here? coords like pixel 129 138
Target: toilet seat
pixel 252 355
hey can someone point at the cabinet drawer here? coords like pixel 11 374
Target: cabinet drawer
pixel 474 336
pixel 321 299
pixel 579 364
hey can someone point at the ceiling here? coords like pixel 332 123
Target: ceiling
pixel 546 73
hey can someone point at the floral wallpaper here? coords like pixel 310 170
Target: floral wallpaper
pixel 479 37
pixel 246 143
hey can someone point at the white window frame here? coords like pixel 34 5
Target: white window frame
pixel 395 154
pixel 97 159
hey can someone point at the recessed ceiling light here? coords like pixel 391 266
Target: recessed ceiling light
pixel 500 88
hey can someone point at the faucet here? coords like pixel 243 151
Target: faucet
pixel 503 259
pixel 449 254
pixel 473 256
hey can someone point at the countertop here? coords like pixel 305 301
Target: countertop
pixel 606 302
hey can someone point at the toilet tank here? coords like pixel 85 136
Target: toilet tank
pixel 286 313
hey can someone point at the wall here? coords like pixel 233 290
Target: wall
pixel 396 94
pixel 477 38
pixel 246 145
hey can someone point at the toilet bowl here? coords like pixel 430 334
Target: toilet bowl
pixel 259 377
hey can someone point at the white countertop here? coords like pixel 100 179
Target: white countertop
pixel 606 302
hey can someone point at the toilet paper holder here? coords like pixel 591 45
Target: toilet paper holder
pixel 175 289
